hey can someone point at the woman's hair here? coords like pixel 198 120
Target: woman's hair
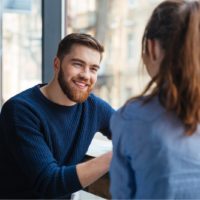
pixel 68 41
pixel 176 25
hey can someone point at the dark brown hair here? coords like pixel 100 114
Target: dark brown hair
pixel 176 25
pixel 68 41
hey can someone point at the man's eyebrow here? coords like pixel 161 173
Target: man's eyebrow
pixel 78 60
pixel 81 61
pixel 97 66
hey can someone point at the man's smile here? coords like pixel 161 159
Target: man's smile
pixel 81 84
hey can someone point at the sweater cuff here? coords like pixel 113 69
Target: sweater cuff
pixel 72 176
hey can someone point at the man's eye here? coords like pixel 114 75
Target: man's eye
pixel 94 69
pixel 77 64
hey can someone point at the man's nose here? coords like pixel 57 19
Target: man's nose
pixel 85 73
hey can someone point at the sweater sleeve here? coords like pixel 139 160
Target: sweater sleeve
pixel 26 143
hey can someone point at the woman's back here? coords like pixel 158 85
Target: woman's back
pixel 162 161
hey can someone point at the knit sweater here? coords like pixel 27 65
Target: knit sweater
pixel 41 142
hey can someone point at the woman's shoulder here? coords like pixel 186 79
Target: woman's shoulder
pixel 140 109
pixel 135 117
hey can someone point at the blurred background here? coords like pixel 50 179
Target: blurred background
pixel 31 29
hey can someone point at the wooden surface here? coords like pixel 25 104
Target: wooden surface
pixel 101 186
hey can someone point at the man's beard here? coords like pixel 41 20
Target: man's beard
pixel 71 91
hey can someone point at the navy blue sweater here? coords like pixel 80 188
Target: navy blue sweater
pixel 41 142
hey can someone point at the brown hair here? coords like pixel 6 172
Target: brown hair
pixel 68 41
pixel 176 25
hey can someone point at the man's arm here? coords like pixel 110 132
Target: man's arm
pixel 88 172
pixel 20 131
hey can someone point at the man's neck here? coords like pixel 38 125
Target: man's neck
pixel 54 93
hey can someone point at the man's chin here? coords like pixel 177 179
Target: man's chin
pixel 79 98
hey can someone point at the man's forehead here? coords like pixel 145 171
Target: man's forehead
pixel 84 53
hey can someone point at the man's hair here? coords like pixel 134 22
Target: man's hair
pixel 68 41
pixel 176 25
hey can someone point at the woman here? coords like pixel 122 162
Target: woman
pixel 156 137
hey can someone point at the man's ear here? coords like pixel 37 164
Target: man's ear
pixel 56 63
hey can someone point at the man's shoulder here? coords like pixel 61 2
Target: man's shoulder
pixel 21 98
pixel 97 100
pixel 100 105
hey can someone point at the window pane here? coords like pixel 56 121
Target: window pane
pixel 21 42
pixel 119 25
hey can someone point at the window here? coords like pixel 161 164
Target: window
pixel 120 29
pixel 130 46
pixel 21 38
pixel 133 3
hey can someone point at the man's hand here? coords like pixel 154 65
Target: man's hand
pixel 88 172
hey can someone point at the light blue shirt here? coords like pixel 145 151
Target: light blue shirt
pixel 152 156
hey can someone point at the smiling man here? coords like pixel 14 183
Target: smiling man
pixel 46 130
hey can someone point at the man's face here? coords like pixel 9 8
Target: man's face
pixel 77 72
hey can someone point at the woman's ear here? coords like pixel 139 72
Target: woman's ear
pixel 153 56
pixel 154 50
pixel 151 49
